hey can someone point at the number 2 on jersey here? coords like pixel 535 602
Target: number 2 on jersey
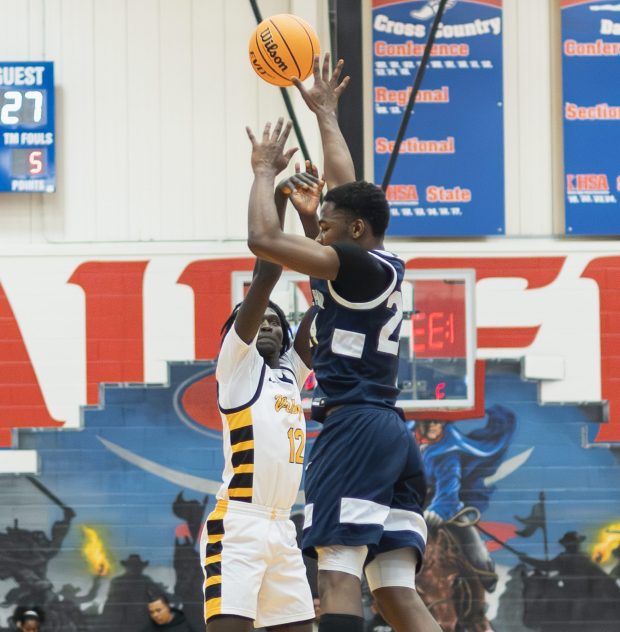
pixel 296 445
pixel 385 345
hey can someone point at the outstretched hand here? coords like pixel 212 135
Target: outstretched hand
pixel 268 154
pixel 303 189
pixel 323 97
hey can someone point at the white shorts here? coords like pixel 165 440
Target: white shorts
pixel 253 567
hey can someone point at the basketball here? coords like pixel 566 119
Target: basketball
pixel 281 47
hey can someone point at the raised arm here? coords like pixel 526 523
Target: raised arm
pixel 264 279
pixel 252 310
pixel 322 99
pixel 266 238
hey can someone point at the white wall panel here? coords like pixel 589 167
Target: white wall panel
pixel 144 165
pixel 110 167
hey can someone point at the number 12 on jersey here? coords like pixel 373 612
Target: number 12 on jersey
pixel 296 443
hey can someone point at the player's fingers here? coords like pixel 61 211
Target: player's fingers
pixel 308 178
pixel 286 187
pixel 251 136
pixel 290 153
pixel 343 86
pixel 266 131
pixel 297 168
pixel 277 129
pixel 315 68
pixel 285 133
pixel 326 67
pixel 337 71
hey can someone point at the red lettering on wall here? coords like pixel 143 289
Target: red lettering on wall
pixel 22 404
pixel 114 322
pixel 211 282
pixel 606 272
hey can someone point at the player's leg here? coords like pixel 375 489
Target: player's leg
pixel 398 555
pixel 350 479
pixel 391 578
pixel 285 599
pixel 229 623
pixel 340 591
pixel 233 565
pixel 304 626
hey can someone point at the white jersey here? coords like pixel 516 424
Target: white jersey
pixel 264 428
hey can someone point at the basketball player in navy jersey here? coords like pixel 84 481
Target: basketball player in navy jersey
pixel 364 481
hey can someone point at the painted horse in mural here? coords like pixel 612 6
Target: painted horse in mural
pixel 450 586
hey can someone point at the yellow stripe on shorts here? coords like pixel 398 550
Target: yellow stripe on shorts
pixel 244 468
pixel 240 492
pixel 213 607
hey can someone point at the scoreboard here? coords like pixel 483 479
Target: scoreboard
pixel 27 137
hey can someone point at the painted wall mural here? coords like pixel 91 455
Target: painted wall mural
pixel 523 503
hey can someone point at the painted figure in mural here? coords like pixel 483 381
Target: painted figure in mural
pixel 122 611
pixel 364 481
pixel 162 616
pixel 187 567
pixel 456 465
pixel 570 591
pixel 254 571
pixel 24 558
pixel 28 618
pixel 65 612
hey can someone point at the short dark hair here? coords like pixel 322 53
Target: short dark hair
pixel 287 335
pixel 157 595
pixel 363 200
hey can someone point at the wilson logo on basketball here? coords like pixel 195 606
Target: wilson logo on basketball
pixel 272 48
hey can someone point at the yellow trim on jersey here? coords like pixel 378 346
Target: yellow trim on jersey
pixel 243 445
pixel 216 579
pixel 244 468
pixel 212 559
pixel 240 419
pixel 216 537
pixel 221 507
pixel 213 607
pixel 240 492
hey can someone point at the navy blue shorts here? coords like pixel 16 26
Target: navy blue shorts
pixel 364 483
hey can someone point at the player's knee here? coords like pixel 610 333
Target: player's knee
pixel 393 569
pixel 343 559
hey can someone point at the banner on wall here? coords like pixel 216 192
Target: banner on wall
pixel 590 69
pixel 449 176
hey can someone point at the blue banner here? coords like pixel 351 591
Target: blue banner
pixel 449 176
pixel 27 155
pixel 591 79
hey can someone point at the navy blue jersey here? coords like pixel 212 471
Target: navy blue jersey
pixel 355 345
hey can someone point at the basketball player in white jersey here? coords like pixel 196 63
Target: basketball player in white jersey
pixel 254 570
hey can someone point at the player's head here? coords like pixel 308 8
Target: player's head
pixel 352 212
pixel 274 329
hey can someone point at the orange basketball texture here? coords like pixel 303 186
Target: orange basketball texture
pixel 281 47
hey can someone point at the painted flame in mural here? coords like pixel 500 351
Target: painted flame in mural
pixel 94 552
pixel 608 540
